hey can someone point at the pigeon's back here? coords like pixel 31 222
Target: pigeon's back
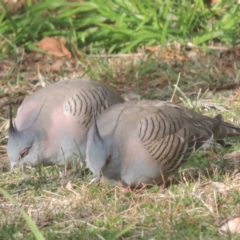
pixel 75 97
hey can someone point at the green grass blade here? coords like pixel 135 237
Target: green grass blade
pixel 125 230
pixel 29 221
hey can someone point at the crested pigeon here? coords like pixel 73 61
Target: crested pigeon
pixel 139 143
pixel 51 124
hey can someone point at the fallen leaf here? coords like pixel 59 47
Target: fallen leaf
pixel 234 154
pixel 231 225
pixel 208 153
pixel 161 82
pixel 55 47
pixel 69 186
pixel 235 97
pixel 55 67
pixel 152 48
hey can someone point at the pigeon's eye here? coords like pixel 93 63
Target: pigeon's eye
pixel 24 153
pixel 108 160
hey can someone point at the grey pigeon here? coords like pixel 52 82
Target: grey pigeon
pixel 51 124
pixel 143 142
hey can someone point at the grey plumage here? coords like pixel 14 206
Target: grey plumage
pixel 144 142
pixel 51 125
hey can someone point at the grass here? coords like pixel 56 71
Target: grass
pixel 118 26
pixel 200 195
pixel 189 209
pixel 44 201
pixel 29 221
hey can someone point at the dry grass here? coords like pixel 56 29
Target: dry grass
pixel 205 191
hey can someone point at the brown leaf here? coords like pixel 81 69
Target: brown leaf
pixel 152 48
pixel 231 225
pixel 235 97
pixel 160 82
pixel 54 47
pixel 55 67
pixel 234 154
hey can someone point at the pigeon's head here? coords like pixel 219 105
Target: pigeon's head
pixel 23 146
pixel 99 148
pixel 97 151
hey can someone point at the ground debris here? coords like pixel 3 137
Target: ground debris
pixel 231 225
pixel 54 46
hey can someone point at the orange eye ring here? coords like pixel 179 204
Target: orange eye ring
pixel 24 152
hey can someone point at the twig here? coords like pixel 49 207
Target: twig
pixel 58 195
pixel 175 89
pixel 116 55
